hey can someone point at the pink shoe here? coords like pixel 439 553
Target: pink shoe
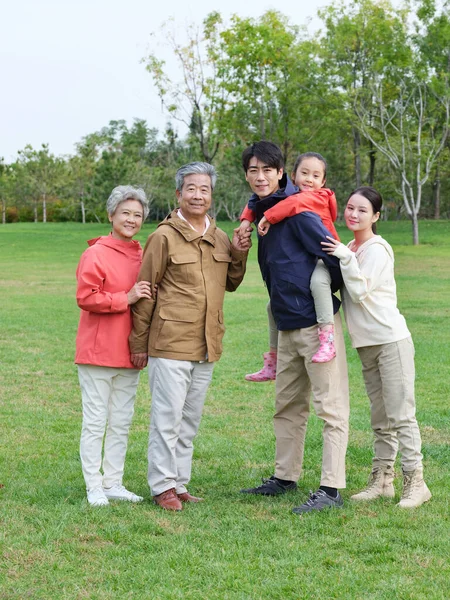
pixel 269 370
pixel 326 351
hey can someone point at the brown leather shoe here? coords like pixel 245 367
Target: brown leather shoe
pixel 186 497
pixel 168 500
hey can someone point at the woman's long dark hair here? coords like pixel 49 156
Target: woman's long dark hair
pixel 373 197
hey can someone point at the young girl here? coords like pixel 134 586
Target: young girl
pixel 379 333
pixel 309 174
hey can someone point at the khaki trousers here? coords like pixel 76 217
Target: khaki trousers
pixel 297 377
pixel 389 373
pixel 108 396
pixel 178 390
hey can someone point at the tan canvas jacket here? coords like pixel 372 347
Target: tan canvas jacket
pixel 185 321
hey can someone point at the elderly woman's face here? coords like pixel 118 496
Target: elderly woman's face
pixel 127 220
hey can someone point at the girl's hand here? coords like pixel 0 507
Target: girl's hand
pixel 141 289
pixel 331 246
pixel 263 226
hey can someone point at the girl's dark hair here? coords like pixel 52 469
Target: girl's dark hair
pixel 373 197
pixel 301 157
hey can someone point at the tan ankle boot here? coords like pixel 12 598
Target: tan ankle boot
pixel 415 490
pixel 379 486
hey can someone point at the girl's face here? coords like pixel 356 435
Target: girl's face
pixel 358 214
pixel 310 174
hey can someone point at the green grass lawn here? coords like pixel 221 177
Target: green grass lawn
pixel 232 546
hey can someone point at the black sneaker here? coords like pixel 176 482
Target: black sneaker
pixel 271 487
pixel 318 501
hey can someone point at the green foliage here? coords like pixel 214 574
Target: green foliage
pixel 230 547
pixel 369 90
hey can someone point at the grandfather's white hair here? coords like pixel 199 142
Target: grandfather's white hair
pixel 121 193
pixel 195 168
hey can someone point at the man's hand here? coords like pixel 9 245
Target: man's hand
pixel 141 289
pixel 242 238
pixel 139 360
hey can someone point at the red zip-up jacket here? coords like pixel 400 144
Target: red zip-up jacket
pixel 107 271
pixel 322 202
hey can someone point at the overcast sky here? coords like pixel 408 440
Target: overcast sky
pixel 69 67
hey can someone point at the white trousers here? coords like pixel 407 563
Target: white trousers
pixel 178 391
pixel 108 403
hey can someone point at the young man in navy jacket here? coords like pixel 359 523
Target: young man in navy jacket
pixel 287 256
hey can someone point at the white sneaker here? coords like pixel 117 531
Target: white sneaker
pixel 119 492
pixel 96 497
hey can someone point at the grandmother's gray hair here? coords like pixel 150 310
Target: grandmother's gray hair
pixel 195 168
pixel 121 193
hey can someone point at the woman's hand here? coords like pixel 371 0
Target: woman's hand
pixel 331 246
pixel 263 226
pixel 140 289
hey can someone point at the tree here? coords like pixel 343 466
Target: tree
pixel 197 99
pixel 41 171
pixel 407 132
pixel 360 40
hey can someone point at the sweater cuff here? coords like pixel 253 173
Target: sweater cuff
pixel 342 252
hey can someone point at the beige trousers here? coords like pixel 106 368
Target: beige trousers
pixel 108 396
pixel 178 390
pixel 297 377
pixel 389 373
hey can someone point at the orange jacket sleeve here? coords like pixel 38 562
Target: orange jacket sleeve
pixel 247 215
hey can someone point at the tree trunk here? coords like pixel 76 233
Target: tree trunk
pixel 3 211
pixel 83 212
pixel 44 209
pixel 372 157
pixel 415 228
pixel 437 194
pixel 35 211
pixel 357 157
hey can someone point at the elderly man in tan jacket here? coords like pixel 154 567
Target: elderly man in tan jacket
pixel 180 330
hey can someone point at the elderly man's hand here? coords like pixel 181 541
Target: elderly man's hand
pixel 242 239
pixel 139 360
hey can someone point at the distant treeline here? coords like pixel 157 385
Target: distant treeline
pixel 369 91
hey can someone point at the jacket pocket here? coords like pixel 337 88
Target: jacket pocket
pixel 182 267
pixel 177 329
pixel 221 263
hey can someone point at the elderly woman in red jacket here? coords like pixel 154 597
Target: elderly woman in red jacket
pixel 106 276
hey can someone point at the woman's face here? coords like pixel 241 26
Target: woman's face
pixel 127 220
pixel 358 214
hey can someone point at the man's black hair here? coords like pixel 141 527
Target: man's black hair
pixel 267 152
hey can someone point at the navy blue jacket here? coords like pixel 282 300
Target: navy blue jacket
pixel 287 256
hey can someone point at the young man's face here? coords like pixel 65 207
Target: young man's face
pixel 263 180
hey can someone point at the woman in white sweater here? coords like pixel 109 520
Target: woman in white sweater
pixel 379 333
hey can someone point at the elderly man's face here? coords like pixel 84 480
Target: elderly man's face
pixel 195 196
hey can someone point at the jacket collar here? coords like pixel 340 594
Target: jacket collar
pixel 189 234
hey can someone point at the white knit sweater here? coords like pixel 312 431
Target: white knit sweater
pixel 369 296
